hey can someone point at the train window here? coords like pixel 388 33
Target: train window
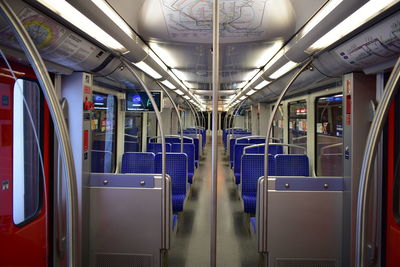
pixel 329 136
pixel 133 133
pixel 27 169
pixel 104 131
pixel 298 125
pixel 277 124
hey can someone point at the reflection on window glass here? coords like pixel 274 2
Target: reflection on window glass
pixel 133 133
pixel 329 132
pixel 277 124
pixel 27 171
pixel 298 126
pixel 104 133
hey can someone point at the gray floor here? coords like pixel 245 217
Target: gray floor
pixel 190 243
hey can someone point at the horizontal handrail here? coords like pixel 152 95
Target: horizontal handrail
pixel 279 144
pixel 330 146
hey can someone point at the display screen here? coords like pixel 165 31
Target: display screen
pixel 139 101
pixel 100 101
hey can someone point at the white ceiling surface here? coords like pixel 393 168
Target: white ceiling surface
pixel 180 32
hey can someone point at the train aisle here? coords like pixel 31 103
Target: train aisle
pixel 190 243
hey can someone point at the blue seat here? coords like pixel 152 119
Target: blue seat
pixel 131 146
pixel 196 148
pixel 176 168
pixel 257 140
pixel 131 138
pixel 101 161
pixel 188 149
pixel 237 159
pixel 252 170
pixel 292 165
pixel 156 147
pixel 138 162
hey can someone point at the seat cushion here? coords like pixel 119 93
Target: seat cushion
pixel 177 202
pixel 249 203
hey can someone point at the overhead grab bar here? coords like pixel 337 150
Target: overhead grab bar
pixel 262 220
pixel 177 112
pixel 374 134
pixel 60 125
pixel 165 220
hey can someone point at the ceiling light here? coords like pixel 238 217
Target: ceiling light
pixel 355 20
pixel 115 17
pixel 168 84
pixel 163 53
pixel 268 53
pixel 186 97
pixel 243 98
pixel 249 93
pixel 179 92
pixel 251 74
pixel 147 69
pixel 72 15
pixel 284 69
pixel 326 9
pixel 262 84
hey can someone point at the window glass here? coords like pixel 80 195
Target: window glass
pixel 329 136
pixel 298 126
pixel 104 131
pixel 27 171
pixel 277 124
pixel 133 133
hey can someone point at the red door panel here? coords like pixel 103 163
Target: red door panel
pixel 392 226
pixel 24 244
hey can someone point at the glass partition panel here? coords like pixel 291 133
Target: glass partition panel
pixel 329 135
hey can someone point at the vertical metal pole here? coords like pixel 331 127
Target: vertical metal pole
pixel 262 222
pixel 177 112
pixel 215 86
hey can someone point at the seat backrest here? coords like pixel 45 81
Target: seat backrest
pixel 172 140
pixel 156 147
pixel 138 162
pixel 252 169
pixel 292 165
pixel 101 161
pixel 101 145
pixel 131 146
pixel 242 141
pixel 188 149
pixel 237 158
pixel 273 150
pixel 257 140
pixel 176 168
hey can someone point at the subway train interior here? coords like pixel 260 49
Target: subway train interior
pixel 141 133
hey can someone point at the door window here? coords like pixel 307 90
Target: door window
pixel 27 158
pixel 298 126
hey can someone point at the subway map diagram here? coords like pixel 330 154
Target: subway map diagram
pixel 193 18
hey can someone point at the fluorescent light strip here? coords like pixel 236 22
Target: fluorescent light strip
pixel 249 93
pixel 283 70
pixel 262 85
pixel 168 84
pixel 115 17
pixel 355 20
pixel 186 97
pixel 72 15
pixel 179 92
pixel 243 98
pixel 328 8
pixel 147 69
